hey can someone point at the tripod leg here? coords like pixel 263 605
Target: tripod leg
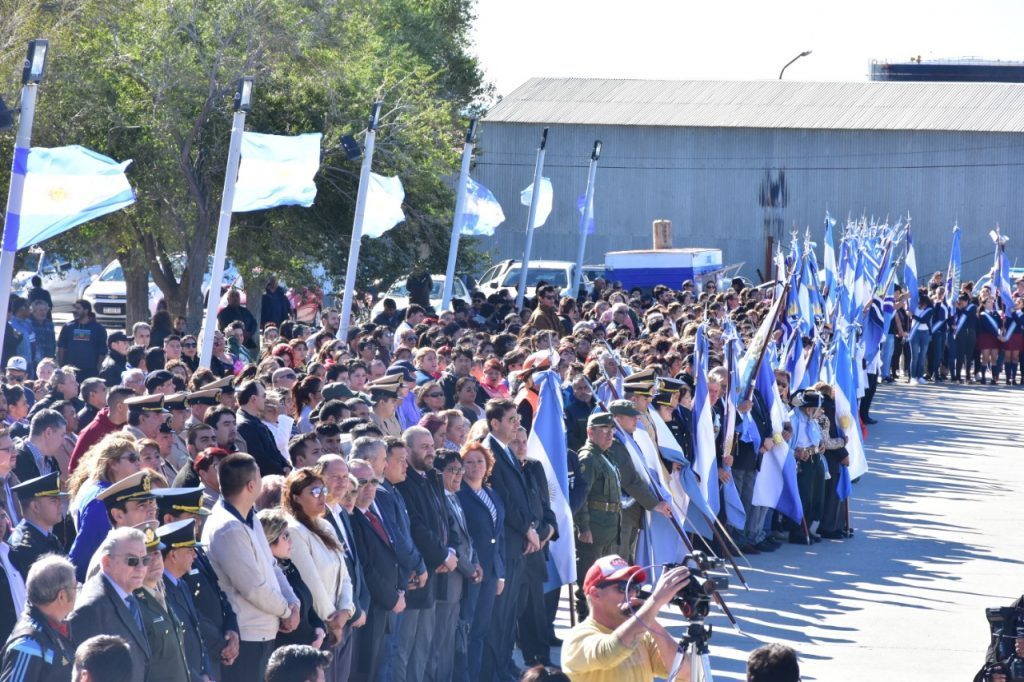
pixel 705 660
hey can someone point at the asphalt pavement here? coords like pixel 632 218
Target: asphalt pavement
pixel 938 539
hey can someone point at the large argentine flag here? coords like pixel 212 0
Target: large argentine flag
pixel 547 445
pixel 63 188
pixel 482 212
pixel 276 170
pixel 545 200
pixel 910 274
pixel 703 423
pixel 846 407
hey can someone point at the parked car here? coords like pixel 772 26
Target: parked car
pixel 986 279
pixel 60 277
pixel 108 294
pixel 505 275
pixel 400 295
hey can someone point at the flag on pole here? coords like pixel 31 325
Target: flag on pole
pixel 953 271
pixel 276 170
pixel 829 259
pixel 481 213
pixel 586 211
pixel 384 199
pixel 547 445
pixel 1001 271
pixel 910 274
pixel 63 188
pixel 545 200
pixel 703 422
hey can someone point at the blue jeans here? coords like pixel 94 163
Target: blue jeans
pixel 888 345
pixel 919 352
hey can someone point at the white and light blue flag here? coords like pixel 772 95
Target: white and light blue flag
pixel 276 170
pixel 481 213
pixel 586 211
pixel 953 270
pixel 910 274
pixel 547 445
pixel 63 188
pixel 384 197
pixel 545 200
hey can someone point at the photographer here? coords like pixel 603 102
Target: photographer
pixel 1004 660
pixel 622 641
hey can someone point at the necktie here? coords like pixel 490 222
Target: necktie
pixel 377 526
pixel 133 606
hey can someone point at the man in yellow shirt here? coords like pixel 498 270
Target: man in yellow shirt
pixel 621 640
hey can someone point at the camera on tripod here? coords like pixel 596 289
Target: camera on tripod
pixel 694 600
pixel 1007 626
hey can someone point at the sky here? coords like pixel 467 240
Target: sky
pixel 733 39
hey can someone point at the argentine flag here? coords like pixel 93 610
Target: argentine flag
pixel 276 170
pixel 482 212
pixel 384 199
pixel 547 445
pixel 704 460
pixel 910 274
pixel 63 188
pixel 544 201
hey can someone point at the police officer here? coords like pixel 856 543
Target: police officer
pixel 163 629
pixel 640 497
pixel 599 521
pixel 39 650
pixel 179 539
pixel 218 625
pixel 42 505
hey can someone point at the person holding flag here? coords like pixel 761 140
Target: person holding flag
pixel 835 508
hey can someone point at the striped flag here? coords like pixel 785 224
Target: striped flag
pixel 63 188
pixel 276 170
pixel 703 422
pixel 910 274
pixel 953 271
pixel 547 445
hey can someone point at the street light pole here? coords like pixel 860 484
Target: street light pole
pixel 802 54
pixel 32 75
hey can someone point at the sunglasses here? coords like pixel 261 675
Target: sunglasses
pixel 434 395
pixel 189 345
pixel 130 456
pixel 620 586
pixel 368 481
pixel 136 561
pixel 317 491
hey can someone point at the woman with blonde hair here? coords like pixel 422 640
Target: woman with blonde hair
pixel 320 559
pixel 115 457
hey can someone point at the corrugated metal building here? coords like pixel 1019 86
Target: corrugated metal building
pixel 735 164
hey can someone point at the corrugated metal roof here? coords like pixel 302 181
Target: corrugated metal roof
pixel 984 107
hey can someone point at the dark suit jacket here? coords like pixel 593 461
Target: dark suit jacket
pixel 8 614
pixel 509 482
pixel 396 518
pixel 386 578
pixel 428 524
pixel 451 585
pixel 179 602
pixel 540 502
pixel 216 617
pixel 353 562
pixel 488 537
pixel 100 611
pixel 25 466
pixel 259 443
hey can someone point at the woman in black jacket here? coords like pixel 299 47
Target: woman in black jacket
pixel 311 629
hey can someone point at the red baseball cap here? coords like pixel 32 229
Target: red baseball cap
pixel 612 568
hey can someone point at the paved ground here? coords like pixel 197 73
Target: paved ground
pixel 939 538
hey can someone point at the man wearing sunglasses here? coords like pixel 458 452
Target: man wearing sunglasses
pixel 106 605
pixel 116 361
pixel 621 640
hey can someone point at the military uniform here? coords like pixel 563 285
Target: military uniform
pixel 182 535
pixel 601 512
pixel 28 541
pixel 166 639
pixel 37 651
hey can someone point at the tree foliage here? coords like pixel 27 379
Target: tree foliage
pixel 151 80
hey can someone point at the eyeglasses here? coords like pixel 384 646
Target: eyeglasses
pixel 368 481
pixel 434 395
pixel 130 456
pixel 317 491
pixel 189 345
pixel 136 561
pixel 620 585
pixel 454 470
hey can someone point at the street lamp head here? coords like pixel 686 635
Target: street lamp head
pixel 243 96
pixel 544 139
pixel 596 154
pixel 471 131
pixel 35 61
pixel 805 53
pixel 374 117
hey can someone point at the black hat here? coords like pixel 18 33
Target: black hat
pixel 178 535
pixel 43 486
pixel 806 398
pixel 186 500
pixel 157 379
pixel 117 336
pixel 137 487
pixel 399 368
pixel 165 427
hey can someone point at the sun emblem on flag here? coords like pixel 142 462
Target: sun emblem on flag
pixel 58 194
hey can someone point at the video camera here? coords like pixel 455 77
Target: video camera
pixel 1006 624
pixel 694 600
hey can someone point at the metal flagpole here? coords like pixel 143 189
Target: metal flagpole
pixel 31 75
pixel 243 104
pixel 357 222
pixel 538 173
pixel 460 208
pixel 588 202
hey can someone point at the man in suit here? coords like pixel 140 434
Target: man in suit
pixel 334 471
pixel 386 582
pixel 38 650
pixel 258 439
pixel 509 481
pixel 42 501
pixel 106 605
pixel 35 456
pixel 179 543
pixel 217 623
pixel 428 519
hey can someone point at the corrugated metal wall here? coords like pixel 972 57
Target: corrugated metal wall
pixel 727 188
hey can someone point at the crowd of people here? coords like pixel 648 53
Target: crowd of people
pixel 368 505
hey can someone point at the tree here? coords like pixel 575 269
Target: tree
pixel 152 81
